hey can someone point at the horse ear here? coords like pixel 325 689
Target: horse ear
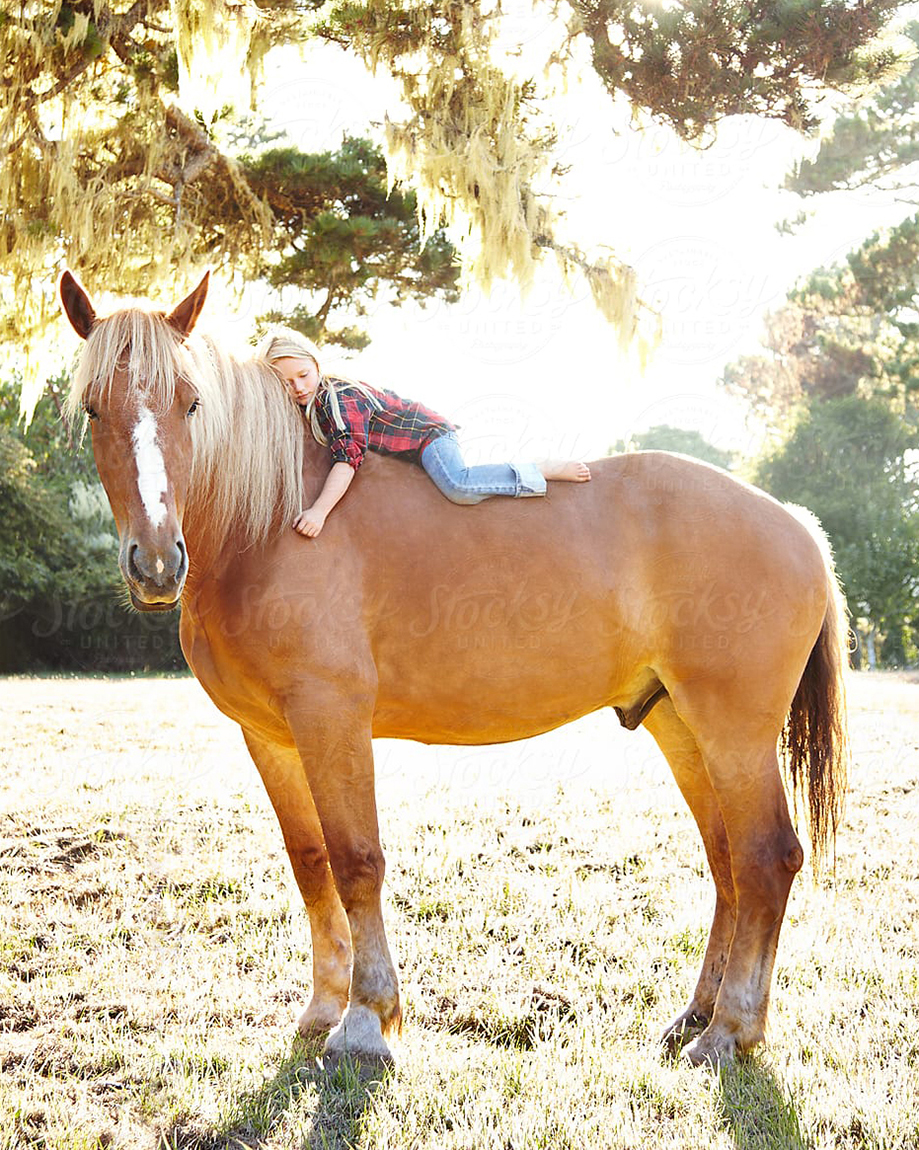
pixel 184 316
pixel 77 307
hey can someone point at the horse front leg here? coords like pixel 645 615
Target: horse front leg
pixel 682 752
pixel 336 751
pixel 285 781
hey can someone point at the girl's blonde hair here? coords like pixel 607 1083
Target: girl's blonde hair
pixel 285 343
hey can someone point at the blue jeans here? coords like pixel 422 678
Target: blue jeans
pixel 443 460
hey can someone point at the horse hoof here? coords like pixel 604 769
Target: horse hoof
pixel 319 1018
pixel 682 1029
pixel 359 1036
pixel 712 1050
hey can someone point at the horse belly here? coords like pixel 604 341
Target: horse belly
pixel 483 687
pixel 494 643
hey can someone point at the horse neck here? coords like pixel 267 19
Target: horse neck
pixel 211 548
pixel 214 546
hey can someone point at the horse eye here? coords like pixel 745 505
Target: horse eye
pixel 194 407
pixel 91 412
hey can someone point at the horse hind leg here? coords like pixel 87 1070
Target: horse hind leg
pixel 285 781
pixel 682 752
pixel 766 855
pixel 739 752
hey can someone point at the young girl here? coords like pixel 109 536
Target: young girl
pixel 351 418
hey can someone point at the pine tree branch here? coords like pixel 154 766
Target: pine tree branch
pixel 323 313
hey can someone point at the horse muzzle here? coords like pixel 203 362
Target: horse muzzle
pixel 155 574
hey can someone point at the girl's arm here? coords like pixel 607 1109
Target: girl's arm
pixel 311 521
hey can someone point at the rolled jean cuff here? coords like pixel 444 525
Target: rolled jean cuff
pixel 530 480
pixel 443 460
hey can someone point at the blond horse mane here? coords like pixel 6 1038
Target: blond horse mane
pixel 247 434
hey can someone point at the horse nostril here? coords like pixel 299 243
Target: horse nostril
pixel 133 570
pixel 182 565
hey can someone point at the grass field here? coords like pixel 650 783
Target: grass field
pixel 547 903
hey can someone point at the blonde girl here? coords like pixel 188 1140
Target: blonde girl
pixel 351 418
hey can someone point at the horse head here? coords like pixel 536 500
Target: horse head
pixel 141 432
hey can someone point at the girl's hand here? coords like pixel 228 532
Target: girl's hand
pixel 309 522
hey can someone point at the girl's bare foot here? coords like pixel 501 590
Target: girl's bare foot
pixel 571 470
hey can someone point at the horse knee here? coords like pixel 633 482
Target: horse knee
pixel 359 869
pixel 311 870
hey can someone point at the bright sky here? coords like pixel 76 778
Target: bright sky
pixel 542 375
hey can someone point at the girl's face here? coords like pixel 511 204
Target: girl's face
pixel 300 375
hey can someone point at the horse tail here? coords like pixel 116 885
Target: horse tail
pixel 815 741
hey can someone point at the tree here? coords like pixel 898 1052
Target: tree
pixel 112 113
pixel 848 460
pixel 58 552
pixel 841 368
pixel 342 238
pixel 36 479
pixel 873 143
pixel 678 439
pixel 98 146
pixel 852 329
pixel 691 64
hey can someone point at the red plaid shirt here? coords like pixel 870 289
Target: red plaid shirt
pixel 397 427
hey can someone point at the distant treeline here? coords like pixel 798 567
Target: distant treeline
pixel 62 604
pixel 90 634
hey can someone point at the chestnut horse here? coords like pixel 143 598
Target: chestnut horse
pixel 688 601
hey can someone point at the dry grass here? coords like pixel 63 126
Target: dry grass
pixel 548 905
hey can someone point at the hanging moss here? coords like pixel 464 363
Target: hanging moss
pixel 102 170
pixel 107 108
pixel 476 145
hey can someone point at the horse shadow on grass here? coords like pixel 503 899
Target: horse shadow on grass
pixel 755 1109
pixel 338 1096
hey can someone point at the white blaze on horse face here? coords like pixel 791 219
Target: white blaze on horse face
pixel 151 468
